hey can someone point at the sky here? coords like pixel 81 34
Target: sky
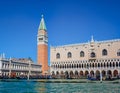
pixel 67 22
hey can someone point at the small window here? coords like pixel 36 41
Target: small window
pixel 40 39
pixel 69 55
pixel 118 52
pixel 93 54
pixel 104 52
pixel 82 54
pixel 58 55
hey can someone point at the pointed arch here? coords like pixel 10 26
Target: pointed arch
pixel 104 52
pixel 103 73
pixel 53 73
pixel 84 65
pixel 113 64
pixel 79 65
pixel 65 66
pixel 101 65
pixel 104 64
pixel 97 73
pixel 98 65
pixel 82 54
pixel 92 55
pixel 95 64
pixel 115 73
pixel 110 64
pixel 86 73
pixel 69 55
pixel 58 56
pixel 92 72
pixel 74 65
pixel 76 72
pixel 116 64
pixel 107 64
pixel 57 73
pixel 109 73
pixel 70 66
pixel 81 73
pixel 90 65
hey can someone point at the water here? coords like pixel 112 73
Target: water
pixel 38 87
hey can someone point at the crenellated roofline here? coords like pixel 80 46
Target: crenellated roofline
pixel 78 44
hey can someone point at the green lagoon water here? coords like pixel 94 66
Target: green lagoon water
pixel 40 87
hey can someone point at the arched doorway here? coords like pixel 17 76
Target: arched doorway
pixel 109 73
pixel 57 73
pixel 86 73
pixel 81 73
pixel 53 74
pixel 97 74
pixel 115 73
pixel 66 74
pixel 76 74
pixel 92 73
pixel 103 73
pixel 71 74
pixel 62 74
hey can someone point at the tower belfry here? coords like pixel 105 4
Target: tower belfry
pixel 42 44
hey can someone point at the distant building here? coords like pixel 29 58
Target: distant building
pixel 42 44
pixel 20 66
pixel 93 58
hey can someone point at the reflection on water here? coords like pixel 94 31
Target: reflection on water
pixel 77 88
pixel 38 87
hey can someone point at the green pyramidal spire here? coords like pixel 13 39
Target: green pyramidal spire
pixel 42 25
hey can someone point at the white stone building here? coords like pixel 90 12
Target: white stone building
pixel 94 57
pixel 21 66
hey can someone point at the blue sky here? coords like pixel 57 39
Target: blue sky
pixel 67 22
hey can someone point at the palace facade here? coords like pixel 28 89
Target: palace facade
pixel 79 60
pixel 18 67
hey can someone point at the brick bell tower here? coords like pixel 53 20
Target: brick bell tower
pixel 42 45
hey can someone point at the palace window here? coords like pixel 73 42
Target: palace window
pixel 69 55
pixel 118 52
pixel 82 54
pixel 92 54
pixel 104 52
pixel 58 55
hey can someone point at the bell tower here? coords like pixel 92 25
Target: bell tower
pixel 42 45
